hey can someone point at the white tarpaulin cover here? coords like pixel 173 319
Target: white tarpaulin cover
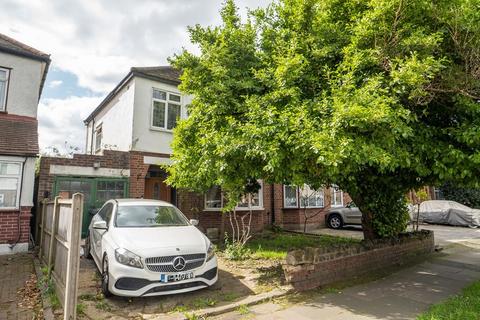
pixel 449 212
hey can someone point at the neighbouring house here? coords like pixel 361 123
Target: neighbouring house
pixel 128 138
pixel 22 75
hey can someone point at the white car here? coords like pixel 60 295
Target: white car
pixel 147 248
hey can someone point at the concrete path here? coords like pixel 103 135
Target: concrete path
pixel 14 271
pixel 402 295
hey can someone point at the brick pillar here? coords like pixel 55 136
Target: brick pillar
pixel 138 172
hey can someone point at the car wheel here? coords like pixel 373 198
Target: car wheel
pixel 87 248
pixel 335 221
pixel 105 278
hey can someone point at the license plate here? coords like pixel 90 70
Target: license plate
pixel 176 277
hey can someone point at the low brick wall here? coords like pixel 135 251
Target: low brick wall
pixel 315 267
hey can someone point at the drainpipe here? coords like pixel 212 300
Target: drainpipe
pixel 19 228
pixel 272 196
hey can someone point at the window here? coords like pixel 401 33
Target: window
pixel 290 196
pixel 337 196
pixel 166 109
pixel 4 74
pixel 10 181
pixel 214 199
pixel 438 194
pixel 106 212
pixel 309 197
pixel 98 138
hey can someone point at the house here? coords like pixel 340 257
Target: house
pixel 128 137
pixel 22 75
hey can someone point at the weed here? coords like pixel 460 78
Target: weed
pixel 80 309
pixel 201 303
pixel 230 296
pixel 243 309
pixel 102 305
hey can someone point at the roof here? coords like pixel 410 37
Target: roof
pixel 19 135
pixel 165 74
pixel 15 47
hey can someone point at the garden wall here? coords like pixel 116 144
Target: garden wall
pixel 315 267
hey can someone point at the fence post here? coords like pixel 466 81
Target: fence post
pixel 73 260
pixel 51 248
pixel 41 227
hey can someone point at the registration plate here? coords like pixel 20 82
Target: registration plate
pixel 176 277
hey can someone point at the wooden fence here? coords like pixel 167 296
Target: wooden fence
pixel 60 230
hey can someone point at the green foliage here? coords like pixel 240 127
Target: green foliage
pixel 47 288
pixel 235 250
pixel 465 306
pixel 378 97
pixel 467 196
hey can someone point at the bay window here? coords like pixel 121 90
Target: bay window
pixel 10 181
pixel 215 200
pixel 166 109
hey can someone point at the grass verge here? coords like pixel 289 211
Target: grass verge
pixel 465 306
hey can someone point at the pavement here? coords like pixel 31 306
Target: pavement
pixel 14 271
pixel 398 296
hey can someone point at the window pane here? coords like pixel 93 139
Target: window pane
pixel 174 97
pixel 158 114
pixel 3 75
pixel 173 115
pixel 243 203
pixel 290 196
pixel 8 192
pixel 3 87
pixel 255 199
pixel 213 198
pixel 8 168
pixel 157 94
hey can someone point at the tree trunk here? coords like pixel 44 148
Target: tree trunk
pixel 367 225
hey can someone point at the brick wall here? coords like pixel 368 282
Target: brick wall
pixel 9 225
pixel 315 267
pixel 110 159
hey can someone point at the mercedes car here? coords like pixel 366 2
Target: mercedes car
pixel 148 247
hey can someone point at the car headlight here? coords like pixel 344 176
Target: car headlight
pixel 128 258
pixel 210 252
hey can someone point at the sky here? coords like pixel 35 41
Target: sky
pixel 93 44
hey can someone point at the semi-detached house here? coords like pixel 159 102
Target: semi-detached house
pixel 22 75
pixel 128 137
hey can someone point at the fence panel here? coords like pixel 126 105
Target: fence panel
pixel 60 229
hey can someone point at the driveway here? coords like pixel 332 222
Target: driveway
pixel 444 235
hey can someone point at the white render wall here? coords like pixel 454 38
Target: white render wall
pixel 145 138
pixel 24 83
pixel 116 120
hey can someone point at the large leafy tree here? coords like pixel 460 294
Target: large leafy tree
pixel 376 96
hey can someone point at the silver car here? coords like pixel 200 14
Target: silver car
pixel 338 217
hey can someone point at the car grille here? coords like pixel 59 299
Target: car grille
pixel 165 264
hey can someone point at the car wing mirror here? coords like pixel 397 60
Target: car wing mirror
pixel 194 222
pixel 100 225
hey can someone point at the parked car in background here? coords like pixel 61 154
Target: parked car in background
pixel 338 217
pixel 446 212
pixel 148 247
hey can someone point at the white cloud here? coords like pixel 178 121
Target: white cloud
pixel 60 121
pixel 55 83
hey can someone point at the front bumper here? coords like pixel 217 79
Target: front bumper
pixel 134 282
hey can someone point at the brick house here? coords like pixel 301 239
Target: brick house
pixel 128 137
pixel 22 75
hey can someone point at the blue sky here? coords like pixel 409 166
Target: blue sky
pixel 93 45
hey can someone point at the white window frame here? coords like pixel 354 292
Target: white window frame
pixel 299 205
pixel 335 190
pixel 19 185
pixel 3 107
pixel 255 208
pixel 166 101
pixel 98 146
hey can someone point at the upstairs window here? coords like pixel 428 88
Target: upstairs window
pixel 98 138
pixel 10 181
pixel 166 109
pixel 4 74
pixel 214 200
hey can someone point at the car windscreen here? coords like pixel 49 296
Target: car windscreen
pixel 149 216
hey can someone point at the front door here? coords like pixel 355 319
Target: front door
pixel 156 188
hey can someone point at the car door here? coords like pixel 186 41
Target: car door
pixel 97 234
